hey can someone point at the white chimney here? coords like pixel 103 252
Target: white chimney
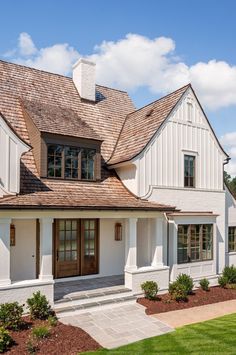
pixel 84 78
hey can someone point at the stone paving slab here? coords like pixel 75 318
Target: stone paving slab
pixel 118 326
pixel 187 316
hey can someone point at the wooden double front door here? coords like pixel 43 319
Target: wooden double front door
pixel 76 247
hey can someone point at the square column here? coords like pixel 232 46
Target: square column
pixel 46 249
pixel 5 225
pixel 158 256
pixel 131 244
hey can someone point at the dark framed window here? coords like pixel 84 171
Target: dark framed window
pixel 71 162
pixel 232 239
pixel 189 171
pixel 87 163
pixel 195 242
pixel 55 153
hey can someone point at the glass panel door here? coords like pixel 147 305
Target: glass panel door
pixel 67 248
pixel 89 235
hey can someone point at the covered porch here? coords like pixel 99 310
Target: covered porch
pixel 29 258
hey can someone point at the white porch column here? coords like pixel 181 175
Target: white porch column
pixel 46 248
pixel 5 225
pixel 158 256
pixel 131 244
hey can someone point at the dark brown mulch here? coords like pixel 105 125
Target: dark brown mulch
pixel 63 340
pixel 164 303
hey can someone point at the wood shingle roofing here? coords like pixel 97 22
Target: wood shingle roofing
pixel 58 120
pixel 140 126
pixel 49 99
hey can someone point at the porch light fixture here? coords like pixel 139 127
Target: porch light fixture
pixel 118 231
pixel 12 235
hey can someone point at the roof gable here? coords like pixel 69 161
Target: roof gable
pixel 141 125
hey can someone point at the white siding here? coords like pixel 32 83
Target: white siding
pixel 162 161
pixel 11 149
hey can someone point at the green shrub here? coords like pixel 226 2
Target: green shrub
pixel 5 340
pixel 178 291
pixel 186 281
pixel 31 347
pixel 52 320
pixel 11 315
pixel 222 281
pixel 150 289
pixel 38 306
pixel 229 273
pixel 204 283
pixel 41 332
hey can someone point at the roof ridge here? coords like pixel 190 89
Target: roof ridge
pixel 61 75
pixel 161 98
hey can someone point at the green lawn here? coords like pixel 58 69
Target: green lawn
pixel 217 336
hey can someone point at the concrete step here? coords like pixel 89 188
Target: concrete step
pixel 92 303
pixel 92 294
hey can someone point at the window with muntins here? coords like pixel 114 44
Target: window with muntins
pixel 189 171
pixel 71 162
pixel 232 239
pixel 195 242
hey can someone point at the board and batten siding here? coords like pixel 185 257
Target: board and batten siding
pixel 162 161
pixel 11 149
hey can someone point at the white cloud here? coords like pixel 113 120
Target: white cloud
pixel 57 58
pixel 26 45
pixel 229 141
pixel 137 61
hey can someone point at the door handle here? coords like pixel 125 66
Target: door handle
pixel 57 255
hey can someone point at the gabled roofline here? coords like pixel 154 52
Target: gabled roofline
pixel 14 131
pixel 227 156
pixel 188 86
pixel 161 98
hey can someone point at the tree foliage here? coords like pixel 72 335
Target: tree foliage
pixel 230 182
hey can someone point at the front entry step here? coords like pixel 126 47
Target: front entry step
pixel 82 301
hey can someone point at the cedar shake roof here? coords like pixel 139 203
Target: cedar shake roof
pixel 107 194
pixel 141 125
pixel 49 99
pixel 58 120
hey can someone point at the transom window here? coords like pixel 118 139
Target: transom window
pixel 71 162
pixel 195 242
pixel 189 171
pixel 232 239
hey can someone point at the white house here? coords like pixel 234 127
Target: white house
pixel 91 187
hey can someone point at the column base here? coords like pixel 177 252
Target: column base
pixel 134 278
pixel 46 277
pixel 5 282
pixel 157 265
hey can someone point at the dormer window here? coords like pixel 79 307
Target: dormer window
pixel 73 163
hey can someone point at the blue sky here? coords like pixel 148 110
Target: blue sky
pixel 149 48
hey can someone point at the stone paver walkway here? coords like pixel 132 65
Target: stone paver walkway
pixel 197 314
pixel 117 326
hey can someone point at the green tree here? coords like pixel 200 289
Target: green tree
pixel 230 182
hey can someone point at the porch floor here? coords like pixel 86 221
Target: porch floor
pixel 65 289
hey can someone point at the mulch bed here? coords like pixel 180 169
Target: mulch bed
pixel 63 340
pixel 164 303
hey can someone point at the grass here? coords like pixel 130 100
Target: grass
pixel 217 336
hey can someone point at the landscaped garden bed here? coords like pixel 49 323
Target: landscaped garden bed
pixel 164 303
pixel 182 295
pixel 62 340
pixel 40 332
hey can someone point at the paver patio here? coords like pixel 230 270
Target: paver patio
pixel 118 325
